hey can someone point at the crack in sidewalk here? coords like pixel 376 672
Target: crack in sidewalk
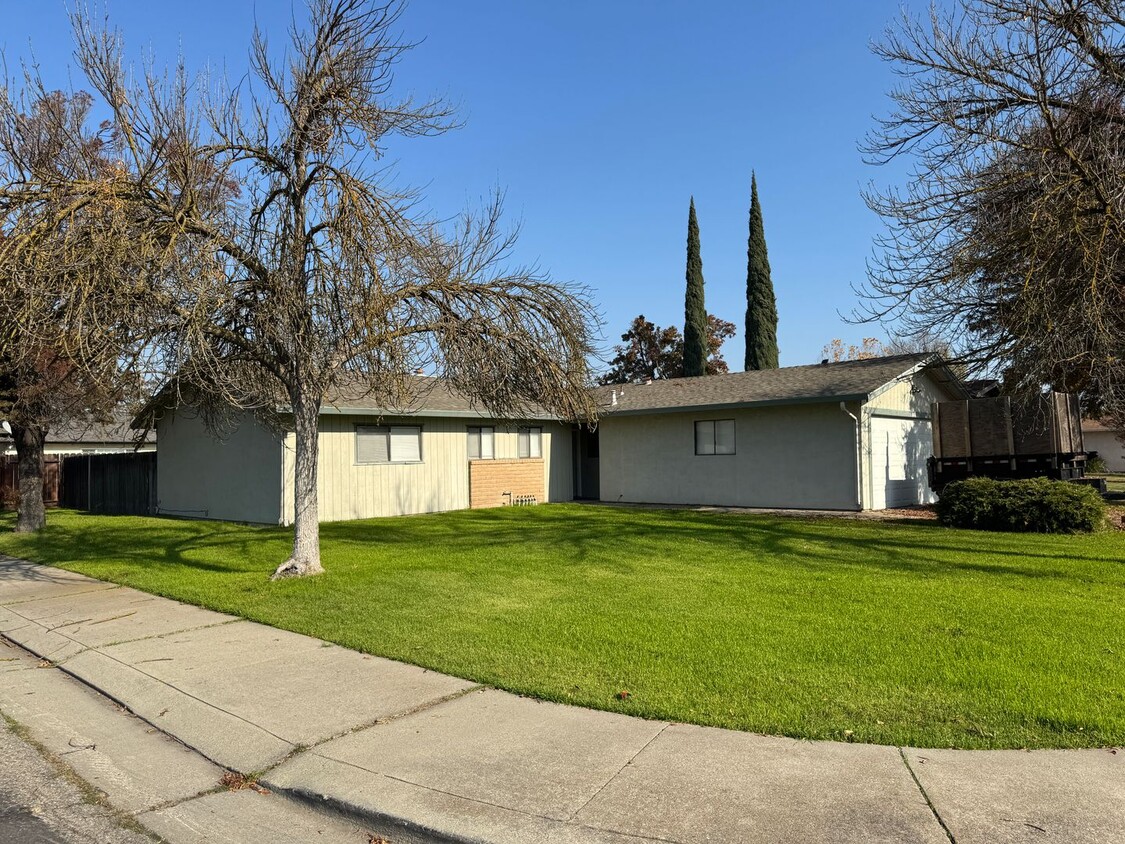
pixel 605 785
pixel 926 797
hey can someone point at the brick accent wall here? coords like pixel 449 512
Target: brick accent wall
pixel 490 479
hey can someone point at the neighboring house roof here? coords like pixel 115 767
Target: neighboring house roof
pixel 116 430
pixel 982 388
pixel 853 380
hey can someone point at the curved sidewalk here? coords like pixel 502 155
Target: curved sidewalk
pixel 425 754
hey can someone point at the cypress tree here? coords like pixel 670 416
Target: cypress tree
pixel 761 306
pixel 695 311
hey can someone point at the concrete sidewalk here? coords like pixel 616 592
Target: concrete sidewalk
pixel 412 755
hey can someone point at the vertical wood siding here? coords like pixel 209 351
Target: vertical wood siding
pixel 440 482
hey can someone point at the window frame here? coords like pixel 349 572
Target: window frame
pixel 385 430
pixel 480 429
pixel 538 434
pixel 714 423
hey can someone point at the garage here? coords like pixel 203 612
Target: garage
pixel 899 450
pixel 851 435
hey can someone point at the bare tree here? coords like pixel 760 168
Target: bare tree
pixel 290 262
pixel 835 350
pixel 1008 240
pixel 60 253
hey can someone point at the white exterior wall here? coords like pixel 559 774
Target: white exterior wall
pixel 903 408
pixel 235 479
pixel 1108 446
pixel 800 456
pixel 440 482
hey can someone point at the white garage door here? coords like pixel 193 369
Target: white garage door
pixel 899 450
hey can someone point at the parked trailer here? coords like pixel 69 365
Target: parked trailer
pixel 1005 438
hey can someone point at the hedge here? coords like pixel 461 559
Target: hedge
pixel 1037 505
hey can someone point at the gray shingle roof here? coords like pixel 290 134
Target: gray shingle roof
pixel 115 431
pixel 427 395
pixel 844 381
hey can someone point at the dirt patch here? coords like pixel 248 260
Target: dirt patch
pixel 923 512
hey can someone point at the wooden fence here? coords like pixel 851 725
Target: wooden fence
pixel 117 484
pixel 9 485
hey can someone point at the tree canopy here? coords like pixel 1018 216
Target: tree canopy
pixel 695 309
pixel 761 304
pixel 285 261
pixel 1008 241
pixel 67 271
pixel 649 352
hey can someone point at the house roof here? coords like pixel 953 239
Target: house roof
pixel 980 388
pixel 116 430
pixel 852 380
pixel 428 396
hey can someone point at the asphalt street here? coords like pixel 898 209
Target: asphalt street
pixel 38 805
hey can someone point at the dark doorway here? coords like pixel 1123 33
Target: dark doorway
pixel 586 485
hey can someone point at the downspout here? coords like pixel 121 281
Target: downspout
pixel 858 455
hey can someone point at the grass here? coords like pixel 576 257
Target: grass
pixel 1115 484
pixel 901 633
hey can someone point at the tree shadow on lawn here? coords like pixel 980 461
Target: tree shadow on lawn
pixel 154 541
pixel 574 535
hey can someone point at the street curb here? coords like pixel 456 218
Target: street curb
pixel 379 822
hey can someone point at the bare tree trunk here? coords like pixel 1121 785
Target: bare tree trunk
pixel 305 559
pixel 29 457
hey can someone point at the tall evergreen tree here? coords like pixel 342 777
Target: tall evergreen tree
pixel 761 306
pixel 695 311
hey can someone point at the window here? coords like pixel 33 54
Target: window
pixel 388 444
pixel 480 443
pixel 531 442
pixel 715 437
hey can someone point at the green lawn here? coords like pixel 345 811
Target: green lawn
pixel 900 633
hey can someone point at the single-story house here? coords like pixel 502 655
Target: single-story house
pixel 1108 441
pixel 853 435
pixel 438 453
pixel 110 437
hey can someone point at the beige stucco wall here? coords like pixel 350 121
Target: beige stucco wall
pixel 1108 446
pixel 236 478
pixel 798 456
pixel 440 482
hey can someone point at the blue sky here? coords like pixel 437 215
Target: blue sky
pixel 601 119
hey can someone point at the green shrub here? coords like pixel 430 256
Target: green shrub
pixel 1096 465
pixel 1038 505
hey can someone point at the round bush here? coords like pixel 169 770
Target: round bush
pixel 1036 505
